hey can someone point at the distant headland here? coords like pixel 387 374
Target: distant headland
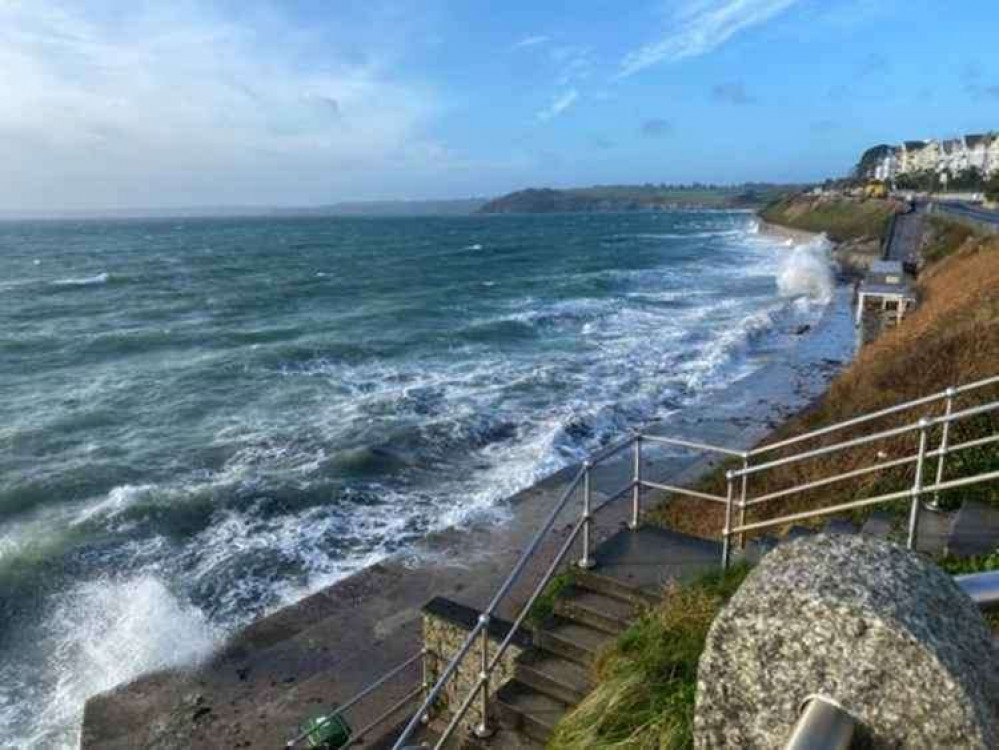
pixel 648 197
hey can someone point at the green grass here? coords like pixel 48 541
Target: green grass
pixel 544 606
pixel 841 219
pixel 647 679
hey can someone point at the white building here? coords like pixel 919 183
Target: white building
pixel 952 157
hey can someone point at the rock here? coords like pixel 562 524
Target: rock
pixel 802 330
pixel 887 635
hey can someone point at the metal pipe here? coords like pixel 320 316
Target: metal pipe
pixel 944 440
pixel 865 439
pixel 504 588
pixel 917 488
pixel 978 442
pixel 357 698
pixel 483 730
pixel 636 492
pixel 611 450
pixel 832 510
pixel 727 532
pixel 504 644
pixel 742 502
pixel 823 725
pixel 874 415
pixel 586 561
pixel 390 711
pixel 983 588
pixel 692 444
pixel 682 491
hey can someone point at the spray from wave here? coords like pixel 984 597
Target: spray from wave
pixel 806 272
pixel 107 632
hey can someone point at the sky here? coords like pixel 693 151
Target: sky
pixel 302 102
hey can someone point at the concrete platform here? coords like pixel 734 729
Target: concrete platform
pixel 651 557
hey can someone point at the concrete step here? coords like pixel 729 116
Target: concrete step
pixel 555 676
pixel 571 640
pixel 975 530
pixel 607 613
pixel 525 710
pixel 615 589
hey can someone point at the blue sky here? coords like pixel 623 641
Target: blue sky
pixel 160 104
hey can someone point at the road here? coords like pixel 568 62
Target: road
pixel 972 212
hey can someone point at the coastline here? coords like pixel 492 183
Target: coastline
pixel 331 644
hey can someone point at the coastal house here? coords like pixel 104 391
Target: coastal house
pixel 928 157
pixel 909 156
pixel 978 151
pixel 953 156
pixel 992 156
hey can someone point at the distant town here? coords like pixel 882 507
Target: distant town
pixel 963 163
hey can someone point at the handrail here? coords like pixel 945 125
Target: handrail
pixel 923 424
pixel 922 401
pixel 340 710
pixel 735 527
pixel 481 627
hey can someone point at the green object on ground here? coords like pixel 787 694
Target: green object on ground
pixel 327 734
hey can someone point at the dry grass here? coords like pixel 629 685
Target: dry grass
pixel 952 338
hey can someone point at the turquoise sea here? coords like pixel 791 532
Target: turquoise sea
pixel 205 419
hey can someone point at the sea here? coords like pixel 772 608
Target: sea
pixel 204 420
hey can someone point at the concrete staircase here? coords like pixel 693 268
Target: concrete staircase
pixel 555 675
pixel 632 569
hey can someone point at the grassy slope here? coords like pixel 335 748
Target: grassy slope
pixel 841 218
pixel 952 338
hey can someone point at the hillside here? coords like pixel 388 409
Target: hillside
pixel 614 198
pixel 841 218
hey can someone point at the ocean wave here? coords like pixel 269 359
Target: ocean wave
pixel 103 633
pixel 101 278
pixel 806 271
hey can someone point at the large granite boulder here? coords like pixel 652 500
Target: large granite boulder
pixel 887 635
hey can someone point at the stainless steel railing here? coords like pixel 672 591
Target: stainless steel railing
pixel 421 656
pixel 736 502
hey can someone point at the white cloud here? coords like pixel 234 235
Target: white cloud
pixel 532 41
pixel 560 104
pixel 168 104
pixel 700 26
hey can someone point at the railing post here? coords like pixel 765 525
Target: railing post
pixel 636 492
pixel 917 486
pixel 428 680
pixel 483 730
pixel 727 532
pixel 944 443
pixel 742 500
pixel 586 561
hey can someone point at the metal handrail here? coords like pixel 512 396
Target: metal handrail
pixel 948 393
pixel 734 528
pixel 340 710
pixel 481 629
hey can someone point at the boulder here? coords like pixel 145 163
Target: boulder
pixel 871 626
